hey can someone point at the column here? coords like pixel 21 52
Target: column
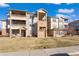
pixel 26 25
pixel 46 25
pixel 20 32
pixel 10 31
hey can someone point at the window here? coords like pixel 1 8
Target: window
pixel 66 20
pixel 0 32
pixel 42 16
pixel 18 22
pixel 77 24
pixel 42 28
pixel 65 26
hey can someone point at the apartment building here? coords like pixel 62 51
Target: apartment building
pixel 19 23
pixel 57 27
pixel 3 28
pixel 40 23
pixel 25 24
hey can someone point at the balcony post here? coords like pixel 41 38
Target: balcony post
pixel 20 32
pixel 10 31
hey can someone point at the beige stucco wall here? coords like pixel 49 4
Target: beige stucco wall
pixel 43 33
pixel 42 23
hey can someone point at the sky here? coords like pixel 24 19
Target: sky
pixel 69 10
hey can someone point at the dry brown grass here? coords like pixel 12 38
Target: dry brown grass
pixel 16 44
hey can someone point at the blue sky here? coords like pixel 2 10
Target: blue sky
pixel 69 10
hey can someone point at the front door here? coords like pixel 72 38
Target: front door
pixel 23 33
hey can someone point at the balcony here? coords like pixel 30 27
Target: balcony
pixel 17 26
pixel 17 17
pixel 65 23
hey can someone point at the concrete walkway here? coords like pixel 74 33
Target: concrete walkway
pixel 72 50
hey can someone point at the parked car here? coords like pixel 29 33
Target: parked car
pixel 60 54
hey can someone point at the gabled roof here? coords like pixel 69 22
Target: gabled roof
pixel 21 11
pixel 52 17
pixel 42 9
pixel 64 18
pixel 17 10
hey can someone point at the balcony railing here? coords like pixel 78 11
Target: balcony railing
pixel 19 17
pixel 65 23
pixel 18 25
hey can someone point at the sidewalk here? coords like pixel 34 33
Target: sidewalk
pixel 72 50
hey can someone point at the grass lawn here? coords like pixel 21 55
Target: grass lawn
pixel 17 44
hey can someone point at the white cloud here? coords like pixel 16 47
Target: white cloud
pixel 68 3
pixel 66 10
pixel 56 3
pixel 4 5
pixel 61 15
